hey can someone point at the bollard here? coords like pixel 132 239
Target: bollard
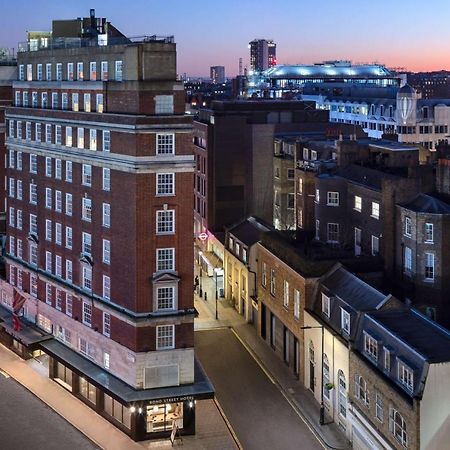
pixel 206 297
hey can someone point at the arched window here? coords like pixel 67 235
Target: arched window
pixel 361 391
pixel 397 426
pixel 342 394
pixel 326 377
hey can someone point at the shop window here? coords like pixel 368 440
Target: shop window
pixel 88 390
pixel 118 411
pixel 162 417
pixel 64 376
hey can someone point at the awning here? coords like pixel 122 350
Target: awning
pixel 29 335
pixel 200 389
pixel 212 259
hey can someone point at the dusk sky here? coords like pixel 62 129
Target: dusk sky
pixel 399 33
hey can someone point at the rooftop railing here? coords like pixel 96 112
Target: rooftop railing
pixel 98 41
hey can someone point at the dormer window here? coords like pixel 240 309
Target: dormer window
pixel 370 346
pixel 387 359
pixel 231 244
pixel 345 321
pixel 425 112
pixel 325 305
pixel 408 226
pixel 405 375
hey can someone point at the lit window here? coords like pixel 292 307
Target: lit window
pixel 104 70
pixel 75 102
pixel 99 103
pixel 345 321
pixel 68 136
pixel 286 294
pixel 69 71
pixel 358 203
pixel 272 282
pixel 296 304
pixel 93 71
pixel 118 70
pixel 264 274
pixel 325 305
pixel 317 196
pixel 375 210
pixel 80 74
pixel 408 226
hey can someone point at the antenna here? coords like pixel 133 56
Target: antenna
pixel 240 66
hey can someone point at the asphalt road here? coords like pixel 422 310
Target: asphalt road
pixel 259 414
pixel 27 423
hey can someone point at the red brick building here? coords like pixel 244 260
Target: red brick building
pixel 100 223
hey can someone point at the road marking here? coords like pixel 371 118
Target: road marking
pixel 283 393
pixel 253 355
pixel 228 424
pixel 5 374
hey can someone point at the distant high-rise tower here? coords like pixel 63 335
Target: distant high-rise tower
pixel 263 54
pixel 217 74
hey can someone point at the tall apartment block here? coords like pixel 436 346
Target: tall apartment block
pixel 217 74
pixel 100 224
pixel 263 54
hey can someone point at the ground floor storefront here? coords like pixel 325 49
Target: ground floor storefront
pixel 141 414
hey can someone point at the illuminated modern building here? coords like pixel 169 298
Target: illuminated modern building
pixel 100 224
pixel 263 54
pixel 217 74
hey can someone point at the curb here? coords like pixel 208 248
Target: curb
pixel 228 424
pixel 293 403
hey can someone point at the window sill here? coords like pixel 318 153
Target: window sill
pixel 375 217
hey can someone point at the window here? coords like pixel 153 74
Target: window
pixel 332 198
pixel 54 100
pixel 296 304
pixel 345 321
pixel 165 221
pixel 106 145
pixel 86 209
pixel 361 391
pixel 375 245
pixel 58 304
pixel 68 136
pixel 48 230
pixel 25 98
pixel 34 99
pixel 106 287
pixel 87 102
pixel 80 74
pixel 28 131
pixel 69 237
pixel 69 304
pixel 165 184
pixel 286 294
pixel 11 130
pixel 58 266
pixel 58 169
pixel 48 262
pixel 87 313
pixel 48 166
pixel 86 243
pixel 64 101
pixel 48 198
pixel 12 187
pixel 291 201
pixel 58 72
pixel 342 394
pixel 21 72
pixel 408 260
pixel 48 293
pixel 12 245
pixel 429 266
pixel 48 133
pixel 33 193
pixel 106 360
pixel 163 104
pixel 93 71
pixel 165 337
pixel 80 137
pixel 44 100
pixel 33 285
pixel 86 176
pixel 99 103
pixel 19 190
pixel 272 281
pixel 325 305
pixel 429 233
pixel 69 204
pixel 165 298
pixel 408 226
pixel 300 185
pixel 371 346
pixel 291 174
pixel 386 359
pixel 375 210
pixel 69 270
pixel 17 100
pixel 58 201
pixel 379 407
pixel 106 324
pixel 75 102
pixel 317 196
pixel 33 163
pixel 32 256
pixel 33 224
pixel 333 232
pixel 106 251
pixel 165 144
pixel 19 129
pixel 19 248
pixel 69 171
pixel 104 70
pixel 58 135
pixel 118 66
pixel 405 376
pixel 39 72
pixel 106 215
pixel 106 181
pixel 165 259
pixel 397 426
pixel 264 274
pixel 19 219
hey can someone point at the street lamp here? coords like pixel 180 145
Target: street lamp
pixel 201 290
pixel 322 407
pixel 216 270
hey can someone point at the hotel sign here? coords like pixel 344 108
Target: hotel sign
pixel 186 398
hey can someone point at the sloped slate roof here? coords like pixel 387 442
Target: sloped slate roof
pixel 427 204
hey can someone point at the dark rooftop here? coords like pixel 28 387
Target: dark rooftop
pixel 427 204
pixel 353 291
pixel 249 231
pixel 417 331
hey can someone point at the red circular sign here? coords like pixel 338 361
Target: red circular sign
pixel 203 236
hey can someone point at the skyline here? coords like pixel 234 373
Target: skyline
pixel 387 35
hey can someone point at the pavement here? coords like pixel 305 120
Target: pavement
pixel 292 389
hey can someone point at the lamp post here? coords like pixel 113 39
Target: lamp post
pixel 201 290
pixel 217 294
pixel 322 407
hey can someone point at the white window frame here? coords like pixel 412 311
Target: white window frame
pixel 332 198
pixel 165 333
pixel 326 305
pixel 345 321
pixel 375 210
